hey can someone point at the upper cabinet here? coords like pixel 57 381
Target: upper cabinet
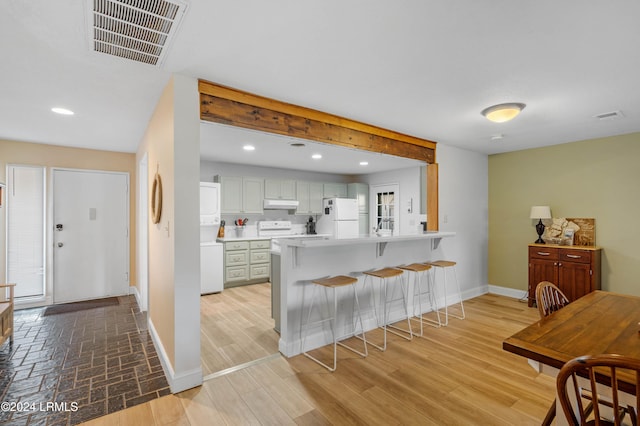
pixel 242 194
pixel 278 189
pixel 309 196
pixel 360 191
pixel 335 190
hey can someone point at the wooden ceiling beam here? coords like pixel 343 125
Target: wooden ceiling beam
pixel 220 104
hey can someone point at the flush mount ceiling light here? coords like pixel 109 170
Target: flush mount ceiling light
pixel 249 148
pixel 502 112
pixel 364 163
pixel 62 111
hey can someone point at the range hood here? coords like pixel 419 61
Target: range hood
pixel 280 204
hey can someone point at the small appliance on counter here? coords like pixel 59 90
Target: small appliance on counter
pixel 310 226
pixel 340 218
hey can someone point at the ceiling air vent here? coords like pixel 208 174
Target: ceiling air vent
pixel 139 30
pixel 609 115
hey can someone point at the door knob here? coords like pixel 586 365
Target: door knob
pixel 60 244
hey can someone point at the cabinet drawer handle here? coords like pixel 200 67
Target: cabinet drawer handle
pixel 574 256
pixel 541 253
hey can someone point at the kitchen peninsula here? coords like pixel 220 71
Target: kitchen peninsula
pixel 304 259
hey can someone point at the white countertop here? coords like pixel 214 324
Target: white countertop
pixel 363 239
pixel 273 237
pixel 249 238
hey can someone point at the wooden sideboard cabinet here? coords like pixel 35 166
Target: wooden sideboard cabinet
pixel 574 269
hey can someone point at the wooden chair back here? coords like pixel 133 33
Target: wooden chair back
pixel 549 298
pixel 616 372
pixel 6 313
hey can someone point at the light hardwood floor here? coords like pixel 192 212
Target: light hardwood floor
pixel 455 375
pixel 236 327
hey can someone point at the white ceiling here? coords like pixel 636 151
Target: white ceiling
pixel 421 67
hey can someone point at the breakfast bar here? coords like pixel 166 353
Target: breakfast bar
pixel 301 260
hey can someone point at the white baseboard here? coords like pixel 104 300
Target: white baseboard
pixel 177 382
pixel 508 292
pixel 134 290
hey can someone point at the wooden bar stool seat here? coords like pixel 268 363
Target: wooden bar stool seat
pixel 445 265
pixel 385 275
pixel 420 270
pixel 333 283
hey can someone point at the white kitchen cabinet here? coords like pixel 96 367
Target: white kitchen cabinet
pixel 360 191
pixel 242 194
pixel 363 224
pixel 246 262
pixel 309 196
pixel 278 189
pixel 335 190
pixel 252 195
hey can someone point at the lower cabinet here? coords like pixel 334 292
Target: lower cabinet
pixel 246 262
pixel 574 269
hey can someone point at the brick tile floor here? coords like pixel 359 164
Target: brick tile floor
pixel 101 359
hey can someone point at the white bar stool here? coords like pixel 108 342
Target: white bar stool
pixel 418 271
pixel 333 283
pixel 384 275
pixel 444 265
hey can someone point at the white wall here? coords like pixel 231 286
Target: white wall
pixel 172 142
pixel 463 204
pixel 409 181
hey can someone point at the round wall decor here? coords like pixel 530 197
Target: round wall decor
pixel 156 199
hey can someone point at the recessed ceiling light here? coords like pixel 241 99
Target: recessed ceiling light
pixel 316 156
pixel 249 148
pixel 62 111
pixel 364 163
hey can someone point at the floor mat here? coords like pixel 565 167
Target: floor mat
pixel 80 306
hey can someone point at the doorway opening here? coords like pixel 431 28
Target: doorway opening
pixel 143 233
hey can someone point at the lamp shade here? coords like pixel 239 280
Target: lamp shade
pixel 540 212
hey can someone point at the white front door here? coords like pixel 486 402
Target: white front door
pixel 90 235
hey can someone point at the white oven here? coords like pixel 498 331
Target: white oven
pixel 279 229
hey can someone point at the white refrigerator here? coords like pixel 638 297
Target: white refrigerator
pixel 340 218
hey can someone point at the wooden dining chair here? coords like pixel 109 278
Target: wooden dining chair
pixel 608 369
pixel 549 298
pixel 6 313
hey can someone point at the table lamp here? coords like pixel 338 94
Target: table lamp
pixel 540 212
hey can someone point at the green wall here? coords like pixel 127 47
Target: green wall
pixel 598 178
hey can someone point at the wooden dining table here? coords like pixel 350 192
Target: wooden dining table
pixel 600 322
